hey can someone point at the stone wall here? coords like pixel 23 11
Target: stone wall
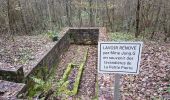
pixel 52 57
pixel 84 36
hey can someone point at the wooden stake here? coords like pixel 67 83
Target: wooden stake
pixel 117 87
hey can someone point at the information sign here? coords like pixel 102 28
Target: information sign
pixel 119 57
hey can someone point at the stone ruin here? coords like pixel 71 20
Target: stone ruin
pixel 14 81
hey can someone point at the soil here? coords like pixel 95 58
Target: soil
pixel 23 51
pixel 72 77
pixel 75 54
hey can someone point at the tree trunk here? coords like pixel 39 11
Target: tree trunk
pixel 137 19
pixel 68 13
pixel 156 21
pixel 166 24
pixel 91 13
pixel 22 18
pixel 80 18
pixel 9 18
pixel 108 15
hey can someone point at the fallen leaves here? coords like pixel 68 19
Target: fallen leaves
pixel 23 51
pixel 150 82
pixel 75 55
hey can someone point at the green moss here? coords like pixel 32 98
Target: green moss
pixel 77 80
pixel 85 57
pixel 64 81
pixel 67 72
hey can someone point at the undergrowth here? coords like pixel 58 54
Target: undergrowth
pixel 40 88
pixel 52 34
pixel 41 84
pixel 120 36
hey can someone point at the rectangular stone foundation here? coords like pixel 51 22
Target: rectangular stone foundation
pixel 46 65
pixel 50 59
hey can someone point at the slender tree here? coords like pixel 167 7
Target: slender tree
pixel 22 18
pixel 108 13
pixel 68 14
pixel 155 24
pixel 137 18
pixel 91 13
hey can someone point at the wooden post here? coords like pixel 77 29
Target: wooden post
pixel 117 87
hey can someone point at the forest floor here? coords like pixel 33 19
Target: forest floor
pixel 151 83
pixel 153 79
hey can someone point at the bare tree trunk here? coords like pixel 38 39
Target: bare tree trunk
pixel 137 19
pixel 127 15
pixel 32 18
pixel 80 18
pixel 49 15
pixel 113 11
pixel 156 21
pixel 11 33
pixel 96 13
pixel 108 15
pixel 91 13
pixel 60 22
pixel 165 24
pixel 22 18
pixel 68 14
